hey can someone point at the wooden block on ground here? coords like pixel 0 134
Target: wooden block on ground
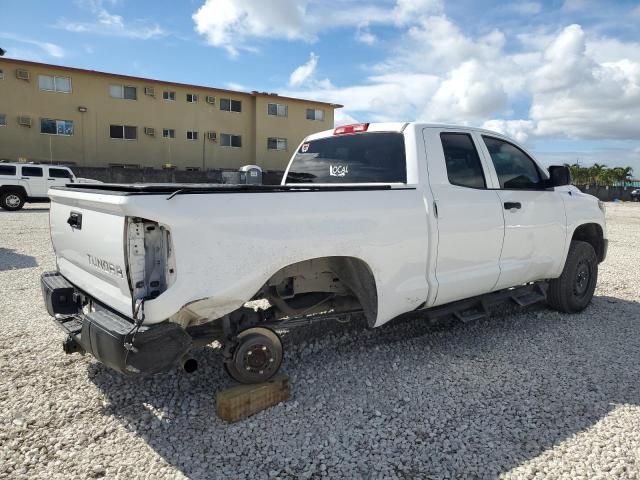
pixel 242 401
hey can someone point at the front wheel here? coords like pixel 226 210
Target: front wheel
pixel 573 290
pixel 11 201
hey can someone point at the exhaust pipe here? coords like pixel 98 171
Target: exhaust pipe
pixel 190 365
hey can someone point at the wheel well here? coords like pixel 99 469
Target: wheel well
pixel 592 234
pixel 345 283
pixel 13 188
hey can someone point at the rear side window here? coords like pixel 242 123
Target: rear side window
pixel 463 163
pixel 31 171
pixel 359 158
pixel 59 173
pixel 7 170
pixel 515 169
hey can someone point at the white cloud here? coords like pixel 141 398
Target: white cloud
pixel 51 49
pixel 516 129
pixel 577 86
pixel 526 8
pixel 574 5
pixel 364 35
pixel 236 24
pixel 304 72
pixel 106 23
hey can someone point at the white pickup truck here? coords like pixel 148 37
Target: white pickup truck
pixel 372 219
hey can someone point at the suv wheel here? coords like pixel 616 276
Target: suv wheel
pixel 573 290
pixel 11 200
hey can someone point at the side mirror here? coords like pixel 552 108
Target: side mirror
pixel 559 175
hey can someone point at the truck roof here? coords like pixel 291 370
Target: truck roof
pixel 401 126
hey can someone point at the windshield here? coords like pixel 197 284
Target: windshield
pixel 359 158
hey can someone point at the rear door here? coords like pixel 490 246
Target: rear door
pixel 534 216
pixel 469 216
pixel 36 183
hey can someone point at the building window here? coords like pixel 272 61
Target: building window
pixel 3 120
pixel 123 91
pixel 192 135
pixel 229 105
pixel 51 83
pixel 277 110
pixel 228 140
pixel 315 114
pixel 125 132
pixel 192 169
pixel 276 143
pixel 192 98
pixel 168 133
pixel 169 96
pixel 1 75
pixel 56 127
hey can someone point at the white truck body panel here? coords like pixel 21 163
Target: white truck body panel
pixel 227 246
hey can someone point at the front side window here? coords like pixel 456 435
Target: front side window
pixel 56 127
pixel 315 114
pixel 515 169
pixel 277 143
pixel 32 171
pixel 192 98
pixel 192 135
pixel 277 109
pixel 168 133
pixel 59 173
pixel 166 95
pixel 52 83
pixel 123 91
pixel 228 105
pixel 228 140
pixel 125 132
pixel 377 157
pixel 462 161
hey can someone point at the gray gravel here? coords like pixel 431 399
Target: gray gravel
pixel 530 394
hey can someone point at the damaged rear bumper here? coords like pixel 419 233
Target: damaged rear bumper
pixel 109 336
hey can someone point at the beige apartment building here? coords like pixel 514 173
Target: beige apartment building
pixel 82 117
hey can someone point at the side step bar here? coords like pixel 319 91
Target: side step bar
pixel 476 308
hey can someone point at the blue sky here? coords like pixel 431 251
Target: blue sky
pixel 561 76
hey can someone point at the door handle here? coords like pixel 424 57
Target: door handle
pixel 511 205
pixel 25 178
pixel 50 178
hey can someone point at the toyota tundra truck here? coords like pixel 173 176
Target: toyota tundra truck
pixel 377 220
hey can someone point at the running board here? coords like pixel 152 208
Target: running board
pixel 477 308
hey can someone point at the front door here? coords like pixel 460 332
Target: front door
pixel 534 216
pixel 469 216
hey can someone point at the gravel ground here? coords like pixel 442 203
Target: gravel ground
pixel 526 394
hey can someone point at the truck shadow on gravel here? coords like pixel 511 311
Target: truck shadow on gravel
pixel 405 400
pixel 11 260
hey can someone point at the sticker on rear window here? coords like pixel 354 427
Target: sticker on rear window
pixel 305 147
pixel 338 170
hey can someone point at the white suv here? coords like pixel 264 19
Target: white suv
pixel 27 182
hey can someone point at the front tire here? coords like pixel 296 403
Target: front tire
pixel 11 201
pixel 573 290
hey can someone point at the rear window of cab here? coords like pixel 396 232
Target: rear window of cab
pixel 375 157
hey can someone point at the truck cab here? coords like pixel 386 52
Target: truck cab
pixel 26 182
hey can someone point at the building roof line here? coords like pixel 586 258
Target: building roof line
pixel 163 82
